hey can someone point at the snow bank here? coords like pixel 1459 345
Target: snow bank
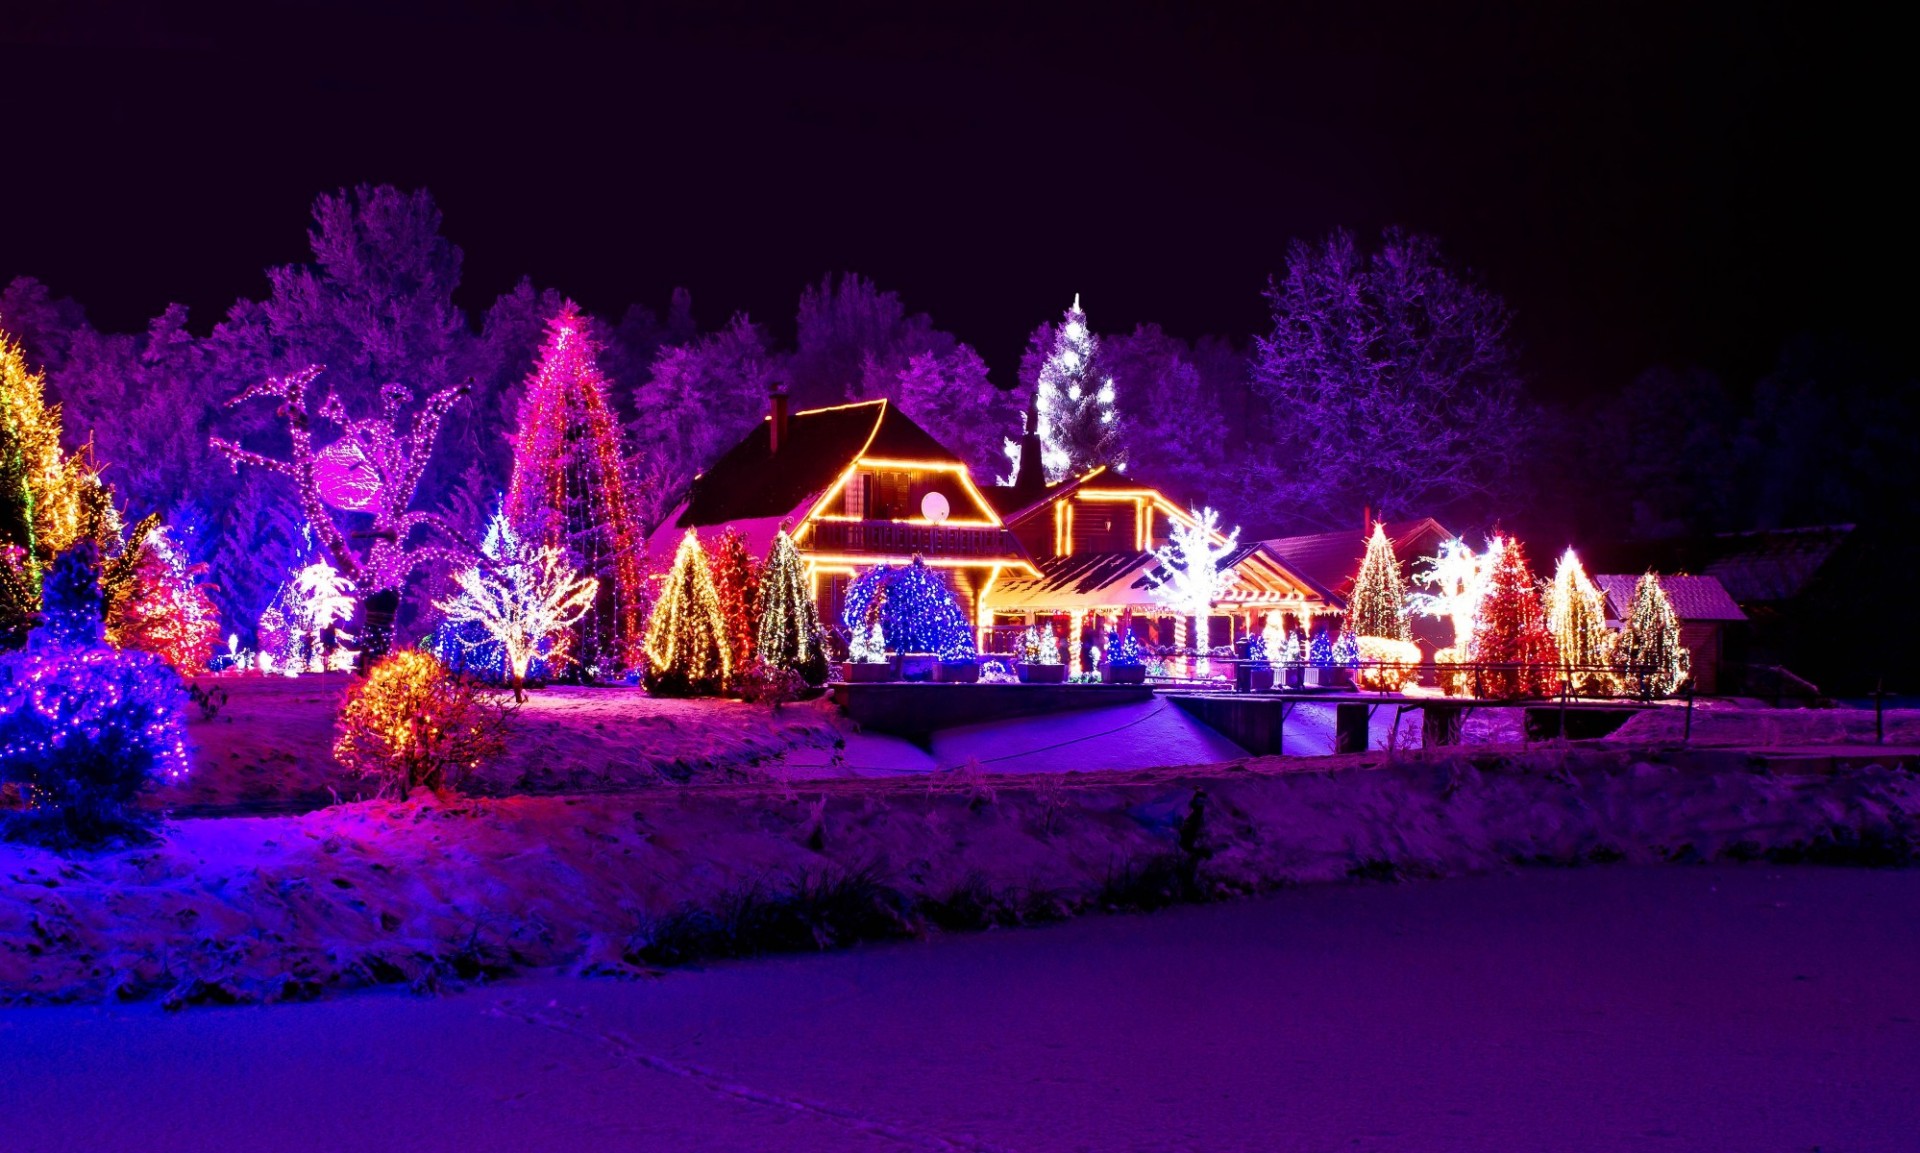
pixel 289 907
pixel 270 747
pixel 1770 728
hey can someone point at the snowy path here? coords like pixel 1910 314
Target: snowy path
pixel 1594 1009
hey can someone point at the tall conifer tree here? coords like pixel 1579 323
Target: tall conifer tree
pixel 789 634
pixel 570 488
pixel 1650 655
pixel 1378 607
pixel 1511 630
pixel 686 644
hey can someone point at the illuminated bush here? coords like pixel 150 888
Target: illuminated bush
pixel 413 722
pixel 84 728
pixel 1386 665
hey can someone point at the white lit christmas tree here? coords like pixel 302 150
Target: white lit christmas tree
pixel 1577 618
pixel 1074 403
pixel 1193 579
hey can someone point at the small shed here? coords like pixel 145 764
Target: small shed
pixel 1704 607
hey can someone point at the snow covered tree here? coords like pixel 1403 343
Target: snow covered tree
pixel 1389 383
pixel 523 595
pixel 1175 427
pixel 1190 575
pixel 570 487
pixel 699 399
pixel 1074 404
pixel 1378 607
pixel 1577 617
pixel 789 634
pixel 950 396
pixel 1650 656
pixel 1511 630
pixel 687 648
pixel 736 581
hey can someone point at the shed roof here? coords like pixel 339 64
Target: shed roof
pixel 1694 598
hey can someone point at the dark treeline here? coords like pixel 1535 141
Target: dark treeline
pixel 1389 381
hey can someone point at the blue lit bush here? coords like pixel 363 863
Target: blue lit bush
pixel 84 728
pixel 918 613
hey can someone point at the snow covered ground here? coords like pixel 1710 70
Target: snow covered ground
pixel 431 892
pixel 1723 1008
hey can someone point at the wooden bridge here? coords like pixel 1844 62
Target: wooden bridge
pixel 1257 722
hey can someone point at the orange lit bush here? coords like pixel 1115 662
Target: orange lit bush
pixel 1386 665
pixel 413 722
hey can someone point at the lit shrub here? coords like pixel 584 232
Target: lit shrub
pixel 84 730
pixel 413 722
pixel 1386 665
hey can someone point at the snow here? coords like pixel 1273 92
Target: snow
pixel 289 907
pixel 270 748
pixel 1584 1010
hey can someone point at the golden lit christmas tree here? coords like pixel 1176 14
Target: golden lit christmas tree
pixel 1577 618
pixel 687 649
pixel 789 635
pixel 1649 655
pixel 1378 607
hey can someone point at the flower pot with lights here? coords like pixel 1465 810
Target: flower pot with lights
pixel 866 673
pixel 1043 674
pixel 965 672
pixel 1123 674
pixel 917 666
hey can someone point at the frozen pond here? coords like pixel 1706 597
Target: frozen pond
pixel 1594 1009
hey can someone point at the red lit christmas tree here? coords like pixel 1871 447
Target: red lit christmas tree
pixel 736 582
pixel 570 487
pixel 1511 631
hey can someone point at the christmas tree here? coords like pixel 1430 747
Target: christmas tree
pixel 523 597
pixel 1577 617
pixel 1079 425
pixel 736 581
pixel 789 632
pixel 1511 630
pixel 570 487
pixel 1123 647
pixel 1273 639
pixel 1378 607
pixel 687 647
pixel 164 609
pixel 1650 656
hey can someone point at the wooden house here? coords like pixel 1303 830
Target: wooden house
pixel 1704 607
pixel 857 485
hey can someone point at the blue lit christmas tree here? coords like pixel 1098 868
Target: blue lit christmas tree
pixel 917 612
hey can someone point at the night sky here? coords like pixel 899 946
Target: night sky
pixel 1641 186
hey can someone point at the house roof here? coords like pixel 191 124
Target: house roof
pixel 1694 598
pixel 1774 564
pixel 749 482
pixel 1327 561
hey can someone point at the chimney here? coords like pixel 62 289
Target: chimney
pixel 1031 478
pixel 777 421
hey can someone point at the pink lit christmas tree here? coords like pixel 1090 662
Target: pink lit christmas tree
pixel 570 487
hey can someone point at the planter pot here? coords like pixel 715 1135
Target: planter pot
pixel 1043 674
pixel 917 666
pixel 1321 677
pixel 956 672
pixel 1124 675
pixel 1296 676
pixel 861 674
pixel 1259 680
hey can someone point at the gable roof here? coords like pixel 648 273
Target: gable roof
pixel 750 482
pixel 1328 561
pixel 1775 564
pixel 1694 598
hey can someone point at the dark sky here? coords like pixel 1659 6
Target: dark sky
pixel 1641 185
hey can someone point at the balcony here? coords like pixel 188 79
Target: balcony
pixel 882 537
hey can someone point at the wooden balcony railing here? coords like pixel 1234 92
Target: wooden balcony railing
pixel 904 539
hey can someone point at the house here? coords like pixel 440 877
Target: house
pixel 857 485
pixel 1092 542
pixel 1328 562
pixel 1705 610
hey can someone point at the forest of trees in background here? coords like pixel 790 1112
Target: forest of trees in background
pixel 1388 382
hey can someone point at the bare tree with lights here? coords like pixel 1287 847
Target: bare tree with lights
pixel 524 595
pixel 1193 579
